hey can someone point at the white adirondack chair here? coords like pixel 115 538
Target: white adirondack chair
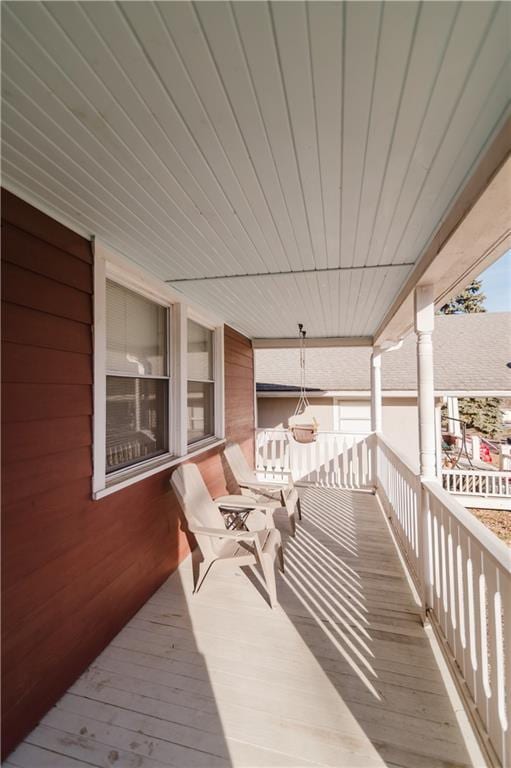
pixel 222 547
pixel 249 484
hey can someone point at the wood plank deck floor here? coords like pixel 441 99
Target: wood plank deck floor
pixel 339 674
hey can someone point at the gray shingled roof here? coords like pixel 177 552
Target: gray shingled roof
pixel 470 351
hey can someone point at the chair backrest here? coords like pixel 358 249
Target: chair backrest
pixel 238 463
pixel 197 504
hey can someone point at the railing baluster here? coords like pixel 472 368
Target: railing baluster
pixel 450 617
pixel 479 628
pixel 495 649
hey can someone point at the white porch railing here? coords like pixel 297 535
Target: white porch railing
pixel 477 482
pixel 464 577
pixel 334 459
pixel 460 569
pixel 399 489
pixel 470 572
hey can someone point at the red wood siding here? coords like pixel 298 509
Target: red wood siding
pixel 74 570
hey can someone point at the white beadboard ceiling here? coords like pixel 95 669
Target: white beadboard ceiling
pixel 298 155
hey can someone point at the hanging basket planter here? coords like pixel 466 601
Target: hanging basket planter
pixel 302 427
pixel 304 433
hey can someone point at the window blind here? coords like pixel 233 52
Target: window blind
pixel 200 352
pixel 201 387
pixel 136 331
pixel 137 384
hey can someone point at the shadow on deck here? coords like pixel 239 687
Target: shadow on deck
pixel 340 674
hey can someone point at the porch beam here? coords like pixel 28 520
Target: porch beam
pixel 330 341
pixel 294 272
pixel 474 233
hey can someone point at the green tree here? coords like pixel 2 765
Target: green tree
pixel 470 300
pixel 482 414
pixel 479 413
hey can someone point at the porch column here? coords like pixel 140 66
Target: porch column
pixel 376 403
pixel 424 324
pixel 438 428
pixel 454 415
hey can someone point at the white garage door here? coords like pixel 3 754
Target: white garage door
pixel 352 416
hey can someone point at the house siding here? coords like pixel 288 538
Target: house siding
pixel 400 418
pixel 74 570
pixel 275 412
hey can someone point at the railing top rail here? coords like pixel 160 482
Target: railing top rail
pixel 496 548
pixel 484 472
pixel 271 429
pixel 283 430
pixel 410 467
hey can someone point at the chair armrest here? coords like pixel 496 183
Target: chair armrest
pixel 242 502
pixel 221 534
pixel 237 501
pixel 263 487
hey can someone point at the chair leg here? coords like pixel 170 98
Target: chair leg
pixel 204 567
pixel 267 565
pixel 295 508
pixel 291 515
pixel 281 558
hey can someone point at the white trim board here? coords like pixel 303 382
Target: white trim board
pixel 327 341
pixel 389 393
pixel 157 466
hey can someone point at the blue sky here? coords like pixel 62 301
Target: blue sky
pixel 497 285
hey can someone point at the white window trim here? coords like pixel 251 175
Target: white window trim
pixel 218 376
pixel 108 265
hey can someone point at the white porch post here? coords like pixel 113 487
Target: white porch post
pixel 376 402
pixel 454 415
pixel 424 324
pixel 376 413
pixel 438 428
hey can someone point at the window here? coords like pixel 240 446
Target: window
pixel 137 378
pixel 158 376
pixel 201 386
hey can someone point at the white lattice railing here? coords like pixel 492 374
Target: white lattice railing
pixel 334 459
pixel 468 482
pixel 463 572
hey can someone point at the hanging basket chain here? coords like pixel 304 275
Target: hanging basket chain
pixel 302 433
pixel 303 401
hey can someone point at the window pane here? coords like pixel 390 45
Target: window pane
pixel 200 410
pixel 200 352
pixel 136 420
pixel 136 330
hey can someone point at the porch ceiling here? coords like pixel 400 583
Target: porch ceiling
pixel 299 156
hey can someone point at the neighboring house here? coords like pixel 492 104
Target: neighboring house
pixel 471 352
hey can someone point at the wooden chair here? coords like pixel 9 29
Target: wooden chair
pixel 222 547
pixel 247 480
